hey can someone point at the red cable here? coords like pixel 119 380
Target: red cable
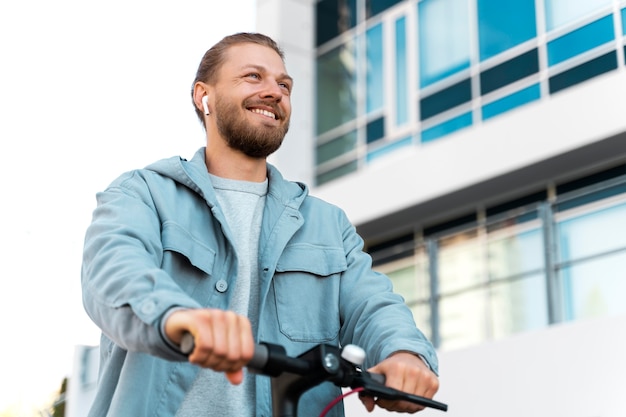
pixel 336 400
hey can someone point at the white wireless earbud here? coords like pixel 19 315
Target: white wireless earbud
pixel 205 105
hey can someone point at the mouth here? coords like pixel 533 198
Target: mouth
pixel 264 112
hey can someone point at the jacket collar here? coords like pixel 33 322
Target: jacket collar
pixel 193 174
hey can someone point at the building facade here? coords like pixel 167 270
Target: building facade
pixel 479 146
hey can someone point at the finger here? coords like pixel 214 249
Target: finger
pixel 368 402
pixel 246 340
pixel 235 377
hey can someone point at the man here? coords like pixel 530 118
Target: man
pixel 222 247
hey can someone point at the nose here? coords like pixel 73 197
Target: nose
pixel 272 89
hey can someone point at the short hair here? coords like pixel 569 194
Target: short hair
pixel 214 58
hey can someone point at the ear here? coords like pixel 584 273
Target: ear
pixel 200 90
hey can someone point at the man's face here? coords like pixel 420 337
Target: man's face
pixel 252 100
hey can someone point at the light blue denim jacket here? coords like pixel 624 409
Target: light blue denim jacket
pixel 159 240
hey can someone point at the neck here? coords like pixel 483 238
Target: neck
pixel 225 162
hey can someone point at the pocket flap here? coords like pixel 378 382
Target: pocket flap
pixel 318 260
pixel 177 239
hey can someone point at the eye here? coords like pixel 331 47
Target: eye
pixel 254 75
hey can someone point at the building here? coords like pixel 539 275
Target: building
pixel 480 148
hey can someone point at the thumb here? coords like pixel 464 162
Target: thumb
pixel 368 402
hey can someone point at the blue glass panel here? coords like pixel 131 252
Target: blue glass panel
pixel 336 173
pixel 561 12
pixel 583 72
pixel 336 87
pixel 374 76
pixel 592 233
pixel 336 147
pixel 444 39
pixel 446 99
pixel 334 17
pixel 504 24
pixel 402 84
pixel 373 7
pixel 510 71
pixel 511 101
pixel 389 148
pixel 624 21
pixel 583 39
pixel 375 130
pixel 447 127
pixel 594 288
pixel 591 197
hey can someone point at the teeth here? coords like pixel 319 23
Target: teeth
pixel 264 113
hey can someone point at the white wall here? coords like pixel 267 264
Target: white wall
pixel 290 23
pixel 574 370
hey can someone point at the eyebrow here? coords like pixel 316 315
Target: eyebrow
pixel 283 76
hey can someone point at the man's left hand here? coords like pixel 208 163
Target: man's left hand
pixel 406 372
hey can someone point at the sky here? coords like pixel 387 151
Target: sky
pixel 87 90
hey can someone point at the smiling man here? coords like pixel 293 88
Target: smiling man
pixel 222 247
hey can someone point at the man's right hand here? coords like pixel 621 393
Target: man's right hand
pixel 223 340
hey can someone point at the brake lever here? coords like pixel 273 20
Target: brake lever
pixel 372 387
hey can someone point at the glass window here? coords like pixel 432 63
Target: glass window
pixel 421 315
pixel 334 17
pixel 581 40
pixel 336 87
pixel 624 21
pixel 460 262
pixel 375 74
pixel 384 150
pixel 592 233
pixel 514 253
pixel 375 130
pixel 402 83
pixel 504 24
pixel 583 72
pixel 411 280
pixel 462 319
pixel 336 173
pixel 446 99
pixel 373 7
pixel 447 127
pixel 444 34
pixel 510 71
pixel 518 305
pixel 602 193
pixel 594 288
pixel 511 101
pixel 336 147
pixel 562 12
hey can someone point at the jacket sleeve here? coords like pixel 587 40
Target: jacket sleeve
pixel 374 317
pixel 125 291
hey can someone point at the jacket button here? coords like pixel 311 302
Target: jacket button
pixel 148 307
pixel 221 285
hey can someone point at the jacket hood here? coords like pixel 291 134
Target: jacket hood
pixel 194 175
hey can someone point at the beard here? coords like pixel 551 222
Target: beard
pixel 255 142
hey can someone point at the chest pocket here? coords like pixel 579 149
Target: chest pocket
pixel 185 258
pixel 306 290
